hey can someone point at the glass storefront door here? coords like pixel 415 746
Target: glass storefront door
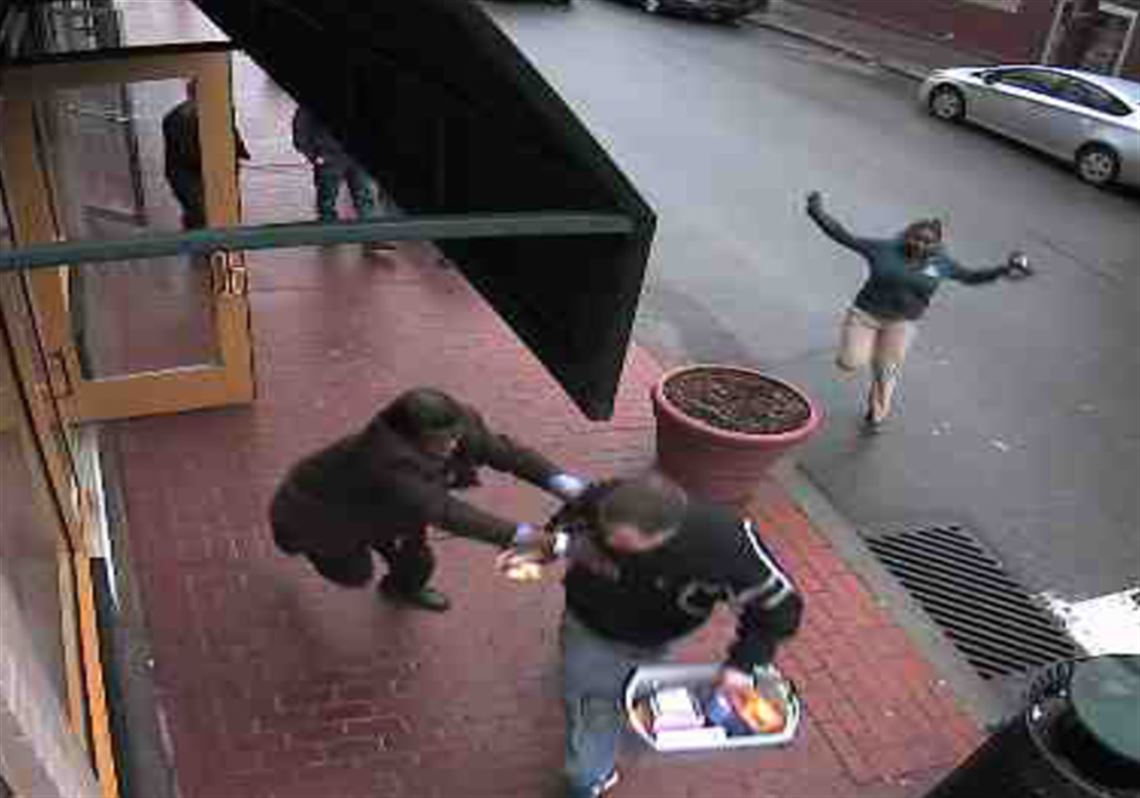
pixel 112 148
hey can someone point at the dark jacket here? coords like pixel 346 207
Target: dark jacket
pixel 652 598
pixel 896 289
pixel 182 154
pixel 313 140
pixel 376 484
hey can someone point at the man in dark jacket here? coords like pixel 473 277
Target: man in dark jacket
pixel 380 489
pixel 183 158
pixel 332 166
pixel 647 565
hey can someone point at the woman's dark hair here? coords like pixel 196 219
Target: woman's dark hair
pixel 423 411
pixel 933 226
pixel 651 502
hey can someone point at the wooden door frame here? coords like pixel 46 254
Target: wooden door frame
pixel 33 221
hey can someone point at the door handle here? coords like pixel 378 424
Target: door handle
pixel 106 114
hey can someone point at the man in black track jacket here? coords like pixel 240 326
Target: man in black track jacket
pixel 647 565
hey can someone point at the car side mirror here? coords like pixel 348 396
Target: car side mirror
pixel 990 78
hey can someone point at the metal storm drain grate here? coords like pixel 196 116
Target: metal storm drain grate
pixel 989 617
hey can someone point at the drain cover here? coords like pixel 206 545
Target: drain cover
pixel 990 618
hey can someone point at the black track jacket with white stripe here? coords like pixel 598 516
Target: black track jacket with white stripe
pixel 655 597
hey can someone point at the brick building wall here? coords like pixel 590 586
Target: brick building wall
pixel 1003 31
pixel 39 755
pixel 1000 30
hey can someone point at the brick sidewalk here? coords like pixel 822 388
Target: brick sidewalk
pixel 898 51
pixel 277 684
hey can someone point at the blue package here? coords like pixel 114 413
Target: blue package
pixel 720 711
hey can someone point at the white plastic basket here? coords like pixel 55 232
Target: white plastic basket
pixel 650 678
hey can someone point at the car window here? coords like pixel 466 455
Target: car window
pixel 1090 96
pixel 1034 80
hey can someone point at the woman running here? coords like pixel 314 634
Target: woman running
pixel 905 271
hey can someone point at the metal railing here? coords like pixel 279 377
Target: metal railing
pixel 278 236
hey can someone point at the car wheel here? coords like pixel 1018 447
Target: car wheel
pixel 1097 164
pixel 947 103
pixel 651 6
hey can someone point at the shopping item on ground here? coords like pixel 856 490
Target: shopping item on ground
pixel 675 708
pixel 682 708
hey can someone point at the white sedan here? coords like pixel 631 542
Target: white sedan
pixel 1091 121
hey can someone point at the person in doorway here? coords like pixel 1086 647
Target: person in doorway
pixel 332 166
pixel 646 566
pixel 905 271
pixel 1075 32
pixel 380 488
pixel 183 158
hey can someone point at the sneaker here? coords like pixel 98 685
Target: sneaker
pixel 379 248
pixel 872 426
pixel 608 783
pixel 426 598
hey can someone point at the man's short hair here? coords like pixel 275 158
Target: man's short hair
pixel 424 411
pixel 652 503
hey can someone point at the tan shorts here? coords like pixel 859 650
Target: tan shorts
pixel 867 340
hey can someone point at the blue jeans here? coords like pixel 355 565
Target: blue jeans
pixel 594 673
pixel 328 177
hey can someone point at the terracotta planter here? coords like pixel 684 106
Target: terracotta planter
pixel 718 464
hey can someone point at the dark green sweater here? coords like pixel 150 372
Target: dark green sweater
pixel 897 288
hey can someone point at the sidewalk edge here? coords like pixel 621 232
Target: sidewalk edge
pixel 984 706
pixel 896 67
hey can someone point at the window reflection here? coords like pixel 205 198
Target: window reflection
pixel 31 544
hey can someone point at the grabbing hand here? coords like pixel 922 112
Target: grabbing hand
pixel 532 542
pixel 567 486
pixel 814 202
pixel 519 566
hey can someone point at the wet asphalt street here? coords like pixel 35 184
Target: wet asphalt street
pixel 1019 411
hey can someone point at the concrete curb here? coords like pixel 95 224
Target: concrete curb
pixel 896 67
pixel 985 705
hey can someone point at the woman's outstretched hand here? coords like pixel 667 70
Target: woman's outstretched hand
pixel 1018 265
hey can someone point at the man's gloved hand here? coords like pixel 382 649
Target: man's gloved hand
pixel 530 549
pixel 535 544
pixel 527 537
pixel 567 486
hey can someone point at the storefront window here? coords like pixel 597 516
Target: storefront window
pixel 32 546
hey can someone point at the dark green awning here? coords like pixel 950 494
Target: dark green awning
pixel 451 119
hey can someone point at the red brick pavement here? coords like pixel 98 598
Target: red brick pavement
pixel 278 685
